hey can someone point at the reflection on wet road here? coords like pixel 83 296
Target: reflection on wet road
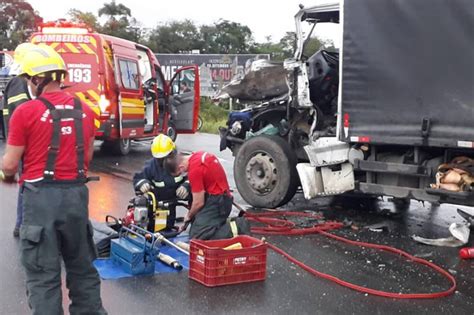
pixel 287 288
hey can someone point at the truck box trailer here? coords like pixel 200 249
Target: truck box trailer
pixel 391 113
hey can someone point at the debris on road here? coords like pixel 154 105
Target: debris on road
pixel 466 253
pixel 384 226
pixel 460 233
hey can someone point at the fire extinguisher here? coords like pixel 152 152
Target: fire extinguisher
pixel 467 253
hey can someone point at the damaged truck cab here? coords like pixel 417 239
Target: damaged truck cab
pixel 390 114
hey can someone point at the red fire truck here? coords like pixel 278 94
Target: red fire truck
pixel 123 83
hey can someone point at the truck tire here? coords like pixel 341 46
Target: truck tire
pixel 200 122
pixel 117 147
pixel 265 171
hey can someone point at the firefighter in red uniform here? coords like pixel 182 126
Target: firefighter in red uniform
pixel 54 134
pixel 212 200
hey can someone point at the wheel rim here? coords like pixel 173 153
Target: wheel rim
pixel 261 173
pixel 125 143
pixel 199 123
pixel 170 132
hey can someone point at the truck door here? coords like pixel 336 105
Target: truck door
pixel 185 99
pixel 131 105
pixel 163 109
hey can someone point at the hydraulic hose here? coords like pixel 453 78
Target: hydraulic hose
pixel 275 226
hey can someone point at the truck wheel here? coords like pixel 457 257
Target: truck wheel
pixel 117 147
pixel 199 123
pixel 171 131
pixel 265 171
pixel 122 146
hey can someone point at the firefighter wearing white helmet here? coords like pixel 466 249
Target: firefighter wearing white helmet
pixel 161 177
pixel 54 134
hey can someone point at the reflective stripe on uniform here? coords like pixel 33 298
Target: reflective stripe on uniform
pixel 16 98
pixel 139 183
pixel 233 227
pixel 5 111
pixel 177 179
pixel 159 184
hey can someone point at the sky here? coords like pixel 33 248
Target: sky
pixel 264 17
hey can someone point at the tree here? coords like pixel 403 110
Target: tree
pixel 226 37
pixel 112 9
pixel 119 22
pixel 288 44
pixel 19 20
pixel 314 44
pixel 278 51
pixel 269 47
pixel 87 18
pixel 175 37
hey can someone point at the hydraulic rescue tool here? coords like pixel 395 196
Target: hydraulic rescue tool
pixel 148 213
pixel 170 261
pixel 141 233
pixel 161 238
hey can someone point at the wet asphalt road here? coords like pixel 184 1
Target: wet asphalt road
pixel 287 288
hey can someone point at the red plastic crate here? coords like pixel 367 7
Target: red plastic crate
pixel 212 265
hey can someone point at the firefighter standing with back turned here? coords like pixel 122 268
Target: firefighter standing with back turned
pixel 54 134
pixel 16 93
pixel 212 200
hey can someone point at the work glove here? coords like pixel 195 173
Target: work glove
pixel 144 186
pixel 186 222
pixel 182 192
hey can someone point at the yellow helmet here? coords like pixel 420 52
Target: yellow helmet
pixel 162 146
pixel 41 59
pixel 20 52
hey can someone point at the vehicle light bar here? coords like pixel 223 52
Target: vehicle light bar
pixel 64 30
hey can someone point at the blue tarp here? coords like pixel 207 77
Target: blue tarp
pixel 108 270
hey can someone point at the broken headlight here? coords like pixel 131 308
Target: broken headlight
pixel 236 128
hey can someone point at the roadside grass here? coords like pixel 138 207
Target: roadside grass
pixel 212 116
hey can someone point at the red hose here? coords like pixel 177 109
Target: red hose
pixel 275 226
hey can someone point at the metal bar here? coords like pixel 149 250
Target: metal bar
pixel 398 192
pixel 235 139
pixel 387 167
pixel 163 239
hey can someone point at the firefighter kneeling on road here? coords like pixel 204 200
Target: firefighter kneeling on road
pixel 55 136
pixel 212 200
pixel 160 176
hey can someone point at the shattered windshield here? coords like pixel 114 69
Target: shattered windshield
pixel 325 36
